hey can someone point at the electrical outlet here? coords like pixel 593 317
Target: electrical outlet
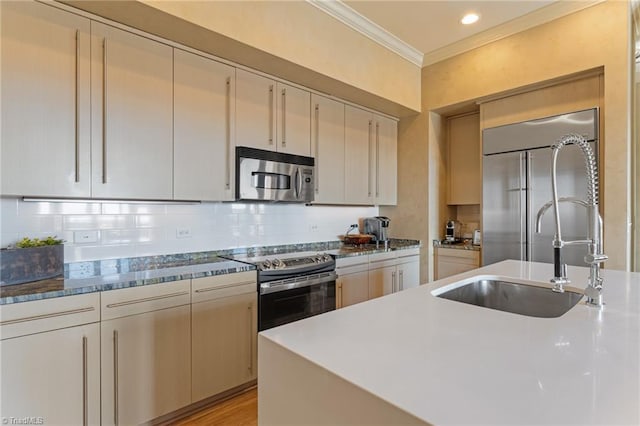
pixel 183 232
pixel 313 228
pixel 84 237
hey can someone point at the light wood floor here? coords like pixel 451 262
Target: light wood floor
pixel 241 410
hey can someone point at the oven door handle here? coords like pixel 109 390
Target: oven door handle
pixel 298 282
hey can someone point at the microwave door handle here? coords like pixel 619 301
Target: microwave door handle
pixel 298 183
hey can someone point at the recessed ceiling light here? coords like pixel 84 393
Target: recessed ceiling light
pixel 469 18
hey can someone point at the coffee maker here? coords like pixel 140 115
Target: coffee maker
pixel 377 226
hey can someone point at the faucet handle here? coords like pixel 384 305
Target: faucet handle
pixel 595 258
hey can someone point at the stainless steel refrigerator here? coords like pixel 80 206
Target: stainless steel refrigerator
pixel 516 182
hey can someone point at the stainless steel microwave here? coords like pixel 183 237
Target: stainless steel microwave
pixel 273 176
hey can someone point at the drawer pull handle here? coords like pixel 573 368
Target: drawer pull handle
pixel 46 316
pixel 220 287
pixel 146 299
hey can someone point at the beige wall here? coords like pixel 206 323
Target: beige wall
pixel 586 40
pixel 292 40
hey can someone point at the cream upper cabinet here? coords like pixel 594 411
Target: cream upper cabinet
pixel 370 157
pixel 294 120
pixel 146 352
pixel 272 116
pixel 358 155
pixel 386 166
pixel 50 361
pixel 132 115
pixel 204 126
pixel 327 146
pixel 45 101
pixel 463 160
pixel 255 111
pixel 224 328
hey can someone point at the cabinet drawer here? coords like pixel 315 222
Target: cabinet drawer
pixel 44 315
pixel 352 261
pixel 408 252
pixel 462 256
pixel 378 257
pixel 219 286
pixel 136 300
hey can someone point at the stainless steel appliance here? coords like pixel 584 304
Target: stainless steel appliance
pixel 273 176
pixel 452 231
pixel 378 226
pixel 516 183
pixel 293 288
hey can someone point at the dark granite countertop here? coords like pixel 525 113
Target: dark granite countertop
pixel 111 274
pixel 456 246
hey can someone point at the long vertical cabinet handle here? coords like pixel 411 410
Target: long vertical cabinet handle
pixel 250 308
pixel 522 205
pixel 227 146
pixel 284 117
pixel 77 110
pixel 401 285
pixel 115 378
pixel 271 114
pixel 377 159
pixel 317 168
pixel 530 217
pixel 104 110
pixel 339 296
pixel 369 165
pixel 393 282
pixel 85 378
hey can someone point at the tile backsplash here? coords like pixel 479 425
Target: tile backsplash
pixel 138 229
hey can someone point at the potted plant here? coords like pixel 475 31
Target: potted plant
pixel 32 259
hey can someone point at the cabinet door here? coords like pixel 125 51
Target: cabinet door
pixel 203 128
pixel 328 149
pixel 294 120
pixel 409 273
pixel 255 111
pixel 352 288
pixel 53 376
pixel 358 156
pixel 224 344
pixel 132 115
pixel 45 101
pixel 146 365
pixel 464 160
pixel 386 166
pixel 382 281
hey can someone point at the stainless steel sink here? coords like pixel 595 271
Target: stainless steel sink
pixel 514 297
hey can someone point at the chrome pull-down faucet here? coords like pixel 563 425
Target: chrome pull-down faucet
pixel 593 240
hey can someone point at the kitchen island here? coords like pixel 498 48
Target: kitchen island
pixel 414 358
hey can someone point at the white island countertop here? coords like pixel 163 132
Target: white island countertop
pixel 429 360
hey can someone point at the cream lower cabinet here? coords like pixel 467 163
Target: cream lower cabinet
pixel 352 284
pixel 45 97
pixel 204 125
pixel 408 270
pixel 146 352
pixel 50 361
pixel 383 276
pixel 224 327
pixel 450 261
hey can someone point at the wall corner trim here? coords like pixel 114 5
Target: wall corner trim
pixel 368 28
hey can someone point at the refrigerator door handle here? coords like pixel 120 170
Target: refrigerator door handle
pixel 530 214
pixel 523 205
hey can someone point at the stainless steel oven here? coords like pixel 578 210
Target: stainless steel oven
pixel 295 288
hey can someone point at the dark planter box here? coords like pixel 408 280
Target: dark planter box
pixel 23 265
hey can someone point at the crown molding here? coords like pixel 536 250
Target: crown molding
pixel 540 16
pixel 368 28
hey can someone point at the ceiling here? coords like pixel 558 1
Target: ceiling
pixel 433 26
